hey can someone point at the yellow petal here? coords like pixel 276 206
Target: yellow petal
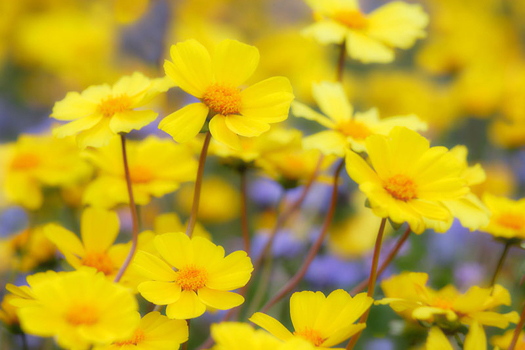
pixel 476 338
pixel 358 169
pixel 342 334
pixel 96 136
pixel 328 142
pixel 131 120
pixel 188 306
pixel 76 126
pixel 332 100
pixel 437 340
pixel 305 308
pixel 368 50
pixel 99 229
pixel 153 268
pixel 246 126
pixel 233 272
pixel 301 110
pixel 326 32
pixel 208 253
pixel 191 67
pixel 234 62
pixel 219 299
pixel 184 124
pixel 72 107
pixel 271 325
pixel 175 248
pixel 131 85
pixel 268 100
pixel 159 292
pixel 223 134
pixel 66 241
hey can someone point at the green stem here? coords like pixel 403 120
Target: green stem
pixel 501 261
pixel 244 212
pixel 341 62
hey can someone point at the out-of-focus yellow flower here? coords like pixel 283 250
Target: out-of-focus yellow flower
pixel 216 82
pixel 409 181
pixel 408 295
pixel 128 11
pixel 323 321
pixel 154 332
pixel 157 167
pixel 507 218
pixel 101 111
pixel 30 248
pixel 35 162
pixel 215 192
pixel 234 335
pixel 8 313
pixel 503 341
pixel 475 339
pixel 78 308
pixel 170 222
pixel 500 180
pixel 369 37
pixel 204 276
pixel 346 130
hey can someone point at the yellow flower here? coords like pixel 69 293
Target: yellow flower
pixel 410 180
pixel 170 222
pixel 508 217
pixel 217 83
pixel 35 162
pixel 203 278
pixel 475 339
pixel 503 341
pixel 408 295
pixel 79 308
pixel 101 112
pixel 8 312
pixel 323 321
pixel 154 332
pixel 157 167
pixel 241 336
pixel 369 37
pixel 30 248
pixel 346 130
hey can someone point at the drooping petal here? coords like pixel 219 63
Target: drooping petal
pixel 184 124
pixel 97 136
pixel 223 134
pixel 131 120
pixel 342 334
pixel 153 268
pixel 99 229
pixel 76 126
pixel 368 50
pixel 268 100
pixel 301 110
pixel 72 107
pixel 188 306
pixel 219 299
pixel 159 292
pixel 246 126
pixel 271 325
pixel 476 338
pixel 234 62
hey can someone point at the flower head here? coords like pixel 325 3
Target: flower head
pixel 203 276
pixel 217 82
pixel 234 335
pixel 322 321
pixel 507 218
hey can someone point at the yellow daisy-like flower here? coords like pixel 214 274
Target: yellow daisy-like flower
pixel 241 336
pixel 203 278
pixel 155 332
pixel 79 308
pixel 216 80
pixel 503 341
pixel 507 218
pixel 475 339
pixel 323 321
pixel 409 180
pixel 408 295
pixel 30 249
pixel 369 37
pixel 157 167
pixel 8 312
pixel 101 112
pixel 346 130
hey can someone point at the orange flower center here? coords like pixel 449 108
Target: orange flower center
pixel 25 161
pixel 141 174
pixel 511 220
pixel 401 187
pixel 443 303
pixel 192 278
pixel 355 130
pixel 100 261
pixel 311 335
pixel 82 314
pixel 352 19
pixel 223 99
pixel 112 105
pixel 137 337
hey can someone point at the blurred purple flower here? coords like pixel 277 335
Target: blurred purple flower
pixel 330 271
pixel 265 192
pixel 12 219
pixel 469 274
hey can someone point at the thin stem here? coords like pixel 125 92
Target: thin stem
pixel 501 261
pixel 198 184
pixel 23 337
pixel 517 331
pixel 134 215
pixel 458 340
pixel 371 281
pixel 294 281
pixel 341 62
pixel 244 212
pixel 362 286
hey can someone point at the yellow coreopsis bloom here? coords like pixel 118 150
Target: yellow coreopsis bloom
pixel 409 181
pixel 241 336
pixel 79 308
pixel 216 80
pixel 408 295
pixel 154 332
pixel 507 218
pixel 323 321
pixel 204 276
pixel 503 342
pixel 8 312
pixel 369 37
pixel 102 111
pixel 30 248
pixel 157 167
pixel 346 129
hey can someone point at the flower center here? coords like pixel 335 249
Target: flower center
pixel 355 130
pixel 192 278
pixel 82 314
pixel 401 187
pixel 137 337
pixel 511 220
pixel 25 161
pixel 100 261
pixel 443 303
pixel 352 19
pixel 311 335
pixel 112 105
pixel 141 174
pixel 222 99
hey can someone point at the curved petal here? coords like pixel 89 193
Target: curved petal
pixel 131 85
pixel 191 67
pixel 175 248
pixel 99 229
pixel 368 50
pixel 342 334
pixel 219 299
pixel 268 100
pixel 271 325
pixel 184 124
pixel 476 338
pixel 301 110
pixel 153 268
pixel 437 340
pixel 159 292
pixel 332 100
pixel 246 126
pixel 72 107
pixel 234 271
pixel 76 126
pixel 234 62
pixel 66 241
pixel 358 169
pixel 188 306
pixel 131 120
pixel 97 136
pixel 223 134
pixel 326 32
